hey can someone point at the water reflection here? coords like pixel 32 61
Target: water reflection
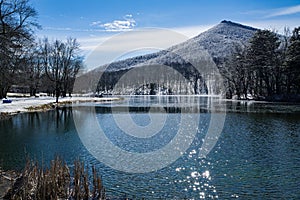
pixel 38 135
pixel 257 156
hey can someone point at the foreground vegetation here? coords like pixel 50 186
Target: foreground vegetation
pixel 57 182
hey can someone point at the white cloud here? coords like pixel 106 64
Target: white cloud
pixel 285 11
pixel 120 25
pixel 126 24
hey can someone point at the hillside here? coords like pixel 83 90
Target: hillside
pixel 211 47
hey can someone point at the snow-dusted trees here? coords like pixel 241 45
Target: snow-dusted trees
pixel 236 73
pixel 256 70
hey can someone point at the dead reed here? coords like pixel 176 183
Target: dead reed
pixel 57 182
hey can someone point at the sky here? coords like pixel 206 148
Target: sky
pixel 93 22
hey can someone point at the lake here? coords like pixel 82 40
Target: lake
pixel 256 155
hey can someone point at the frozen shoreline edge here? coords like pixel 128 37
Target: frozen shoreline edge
pixel 26 105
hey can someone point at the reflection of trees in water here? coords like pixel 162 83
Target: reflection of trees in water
pixel 63 117
pixel 34 119
pixel 167 104
pixel 59 119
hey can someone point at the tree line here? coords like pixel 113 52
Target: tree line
pixel 266 69
pixel 40 64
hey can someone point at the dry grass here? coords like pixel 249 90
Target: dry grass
pixel 56 182
pixel 43 107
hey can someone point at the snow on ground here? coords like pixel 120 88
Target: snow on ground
pixel 20 104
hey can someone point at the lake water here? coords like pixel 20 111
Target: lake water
pixel 256 156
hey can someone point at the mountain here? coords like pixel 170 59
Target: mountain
pixel 210 48
pixel 220 40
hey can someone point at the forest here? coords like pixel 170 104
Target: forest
pixel 268 68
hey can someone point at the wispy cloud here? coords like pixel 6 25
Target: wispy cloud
pixel 67 29
pixel 96 23
pixel 58 28
pixel 277 25
pixel 126 24
pixel 285 11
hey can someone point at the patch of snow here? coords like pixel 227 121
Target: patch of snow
pixel 20 104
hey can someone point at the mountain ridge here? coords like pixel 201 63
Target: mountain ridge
pixel 238 24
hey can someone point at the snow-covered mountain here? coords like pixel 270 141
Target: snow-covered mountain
pixel 212 47
pixel 219 41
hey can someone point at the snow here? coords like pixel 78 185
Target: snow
pixel 20 104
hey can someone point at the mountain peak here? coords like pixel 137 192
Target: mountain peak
pixel 230 23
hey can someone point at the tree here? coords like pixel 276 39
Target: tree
pixel 34 70
pixel 293 63
pixel 260 69
pixel 61 61
pixel 263 56
pixel 17 22
pixel 236 72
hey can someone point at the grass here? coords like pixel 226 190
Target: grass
pixel 43 107
pixel 57 182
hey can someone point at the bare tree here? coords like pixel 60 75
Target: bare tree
pixel 17 22
pixel 34 70
pixel 61 62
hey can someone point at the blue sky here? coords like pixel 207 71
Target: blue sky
pixel 93 21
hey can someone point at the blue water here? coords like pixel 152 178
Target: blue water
pixel 257 155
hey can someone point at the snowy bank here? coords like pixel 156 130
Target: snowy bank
pixel 35 104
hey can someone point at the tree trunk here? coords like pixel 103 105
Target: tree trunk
pixel 3 92
pixel 196 85
pixel 57 93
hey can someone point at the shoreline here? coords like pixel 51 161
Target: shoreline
pixel 42 104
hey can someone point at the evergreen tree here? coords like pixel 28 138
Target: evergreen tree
pixel 263 57
pixel 293 63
